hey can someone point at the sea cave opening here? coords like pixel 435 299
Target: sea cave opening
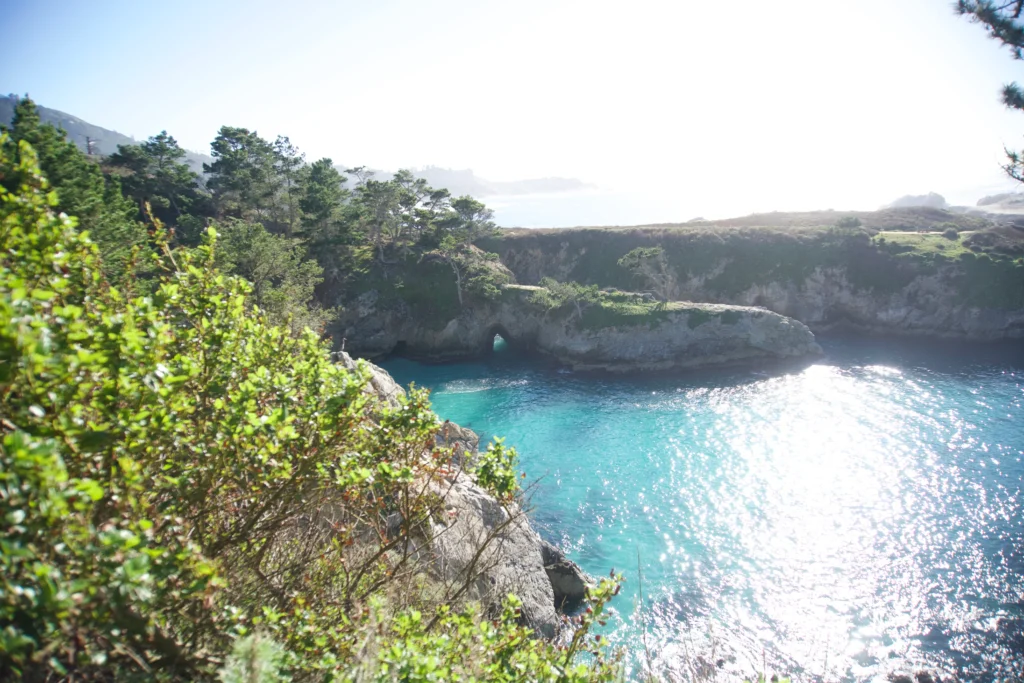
pixel 497 340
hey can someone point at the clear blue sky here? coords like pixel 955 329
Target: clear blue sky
pixel 791 105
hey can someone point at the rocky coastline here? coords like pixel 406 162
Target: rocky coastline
pixel 676 335
pixel 515 559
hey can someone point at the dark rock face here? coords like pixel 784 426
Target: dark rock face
pixel 568 581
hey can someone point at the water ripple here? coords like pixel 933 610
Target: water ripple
pixel 858 517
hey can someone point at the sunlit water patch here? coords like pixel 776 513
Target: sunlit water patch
pixel 861 516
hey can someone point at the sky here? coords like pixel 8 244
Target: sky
pixel 671 109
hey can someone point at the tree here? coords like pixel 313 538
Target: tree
pixel 558 294
pixel 413 192
pixel 473 219
pixel 361 174
pixel 323 196
pixel 155 173
pixel 82 189
pixel 380 201
pixel 282 280
pixel 451 252
pixel 242 176
pixel 1003 20
pixel 289 165
pixel 650 264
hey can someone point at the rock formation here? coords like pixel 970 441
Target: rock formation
pixel 676 335
pixel 514 558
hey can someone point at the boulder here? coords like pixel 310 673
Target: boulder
pixel 568 582
pixel 511 562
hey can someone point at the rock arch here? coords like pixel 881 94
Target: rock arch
pixel 488 341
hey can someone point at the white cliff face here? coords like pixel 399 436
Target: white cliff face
pixel 692 337
pixel 680 336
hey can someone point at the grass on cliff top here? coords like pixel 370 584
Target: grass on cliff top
pixel 625 309
pixel 926 244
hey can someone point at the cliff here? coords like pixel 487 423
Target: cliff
pixel 618 332
pixel 485 542
pixel 966 284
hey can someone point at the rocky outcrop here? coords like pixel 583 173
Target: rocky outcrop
pixel 488 542
pixel 510 562
pixel 676 335
pixel 568 581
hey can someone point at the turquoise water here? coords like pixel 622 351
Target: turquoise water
pixel 856 517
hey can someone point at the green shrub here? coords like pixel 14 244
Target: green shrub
pixel 255 659
pixel 495 469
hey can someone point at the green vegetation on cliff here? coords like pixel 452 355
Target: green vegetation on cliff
pixel 728 261
pixel 593 309
pixel 190 489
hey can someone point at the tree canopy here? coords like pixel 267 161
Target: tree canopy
pixel 313 226
pixel 82 189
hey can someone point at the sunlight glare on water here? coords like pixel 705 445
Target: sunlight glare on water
pixel 860 516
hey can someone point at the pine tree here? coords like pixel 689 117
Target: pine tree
pixel 322 200
pixel 155 173
pixel 242 176
pixel 82 189
pixel 1003 20
pixel 291 170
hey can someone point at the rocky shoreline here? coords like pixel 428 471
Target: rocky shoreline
pixel 515 558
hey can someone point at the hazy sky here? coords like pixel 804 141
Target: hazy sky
pixel 726 107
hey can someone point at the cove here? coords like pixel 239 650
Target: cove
pixel 860 516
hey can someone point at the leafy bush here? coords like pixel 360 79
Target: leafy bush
pixel 495 469
pixel 951 233
pixel 254 659
pixel 282 279
pixel 848 222
pixel 177 473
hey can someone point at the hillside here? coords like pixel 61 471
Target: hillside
pixel 104 141
pixel 902 271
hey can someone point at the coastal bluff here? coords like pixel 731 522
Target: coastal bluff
pixel 620 332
